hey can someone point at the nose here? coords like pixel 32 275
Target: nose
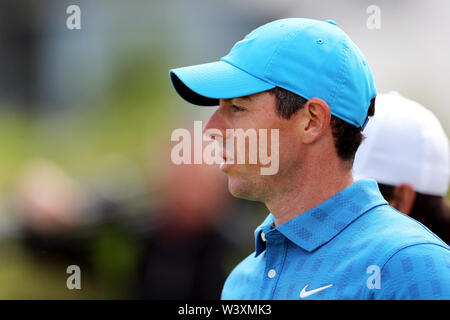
pixel 215 125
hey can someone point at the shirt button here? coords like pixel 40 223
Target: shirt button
pixel 263 236
pixel 272 273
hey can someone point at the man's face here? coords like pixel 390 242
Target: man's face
pixel 256 112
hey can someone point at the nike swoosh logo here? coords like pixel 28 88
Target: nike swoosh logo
pixel 305 293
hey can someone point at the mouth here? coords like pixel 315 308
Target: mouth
pixel 225 165
pixel 227 160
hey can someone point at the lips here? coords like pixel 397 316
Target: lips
pixel 225 165
pixel 227 162
pixel 228 158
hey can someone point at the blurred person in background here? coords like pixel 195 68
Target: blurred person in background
pixel 406 151
pixel 174 241
pixel 50 208
pixel 50 200
pixel 63 222
pixel 184 253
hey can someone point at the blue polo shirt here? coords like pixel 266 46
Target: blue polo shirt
pixel 352 246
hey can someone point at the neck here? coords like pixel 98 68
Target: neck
pixel 308 191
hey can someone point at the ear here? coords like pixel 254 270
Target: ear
pixel 316 115
pixel 403 198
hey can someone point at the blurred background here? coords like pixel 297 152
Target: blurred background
pixel 85 123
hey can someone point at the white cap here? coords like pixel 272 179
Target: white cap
pixel 405 143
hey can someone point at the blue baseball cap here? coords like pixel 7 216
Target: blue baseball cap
pixel 308 57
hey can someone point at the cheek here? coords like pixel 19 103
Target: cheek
pixel 290 147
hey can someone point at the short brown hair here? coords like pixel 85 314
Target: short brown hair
pixel 347 137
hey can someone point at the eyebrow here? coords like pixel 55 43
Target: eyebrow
pixel 245 98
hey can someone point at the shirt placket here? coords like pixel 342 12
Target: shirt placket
pixel 274 257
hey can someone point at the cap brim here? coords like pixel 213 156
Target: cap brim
pixel 205 84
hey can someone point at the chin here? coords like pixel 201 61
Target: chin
pixel 242 189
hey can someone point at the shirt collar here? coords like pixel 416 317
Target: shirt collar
pixel 319 225
pixel 265 227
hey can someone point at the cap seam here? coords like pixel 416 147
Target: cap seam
pixel 259 78
pixel 275 52
pixel 296 34
pixel 341 80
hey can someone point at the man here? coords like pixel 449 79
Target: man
pixel 326 237
pixel 406 151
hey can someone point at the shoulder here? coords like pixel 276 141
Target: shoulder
pixel 419 271
pixel 243 274
pixel 414 263
pixel 396 230
pixel 422 258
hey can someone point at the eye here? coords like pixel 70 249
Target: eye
pixel 237 108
